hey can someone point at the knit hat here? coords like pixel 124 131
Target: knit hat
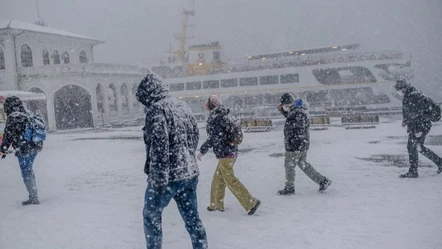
pixel 212 103
pixel 401 84
pixel 287 98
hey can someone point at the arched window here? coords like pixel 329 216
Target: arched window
pixel 56 57
pixel 66 58
pixel 83 57
pixel 46 60
pixel 26 56
pixel 2 59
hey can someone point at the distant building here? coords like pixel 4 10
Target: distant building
pixel 79 92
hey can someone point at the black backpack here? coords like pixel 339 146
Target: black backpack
pixel 434 110
pixel 234 132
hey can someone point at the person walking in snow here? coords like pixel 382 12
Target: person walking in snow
pixel 171 138
pixel 297 142
pixel 218 138
pixel 417 115
pixel 26 151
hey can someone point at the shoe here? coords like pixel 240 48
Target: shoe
pixel 410 174
pixel 323 185
pixel 286 191
pixel 30 202
pixel 214 210
pixel 253 210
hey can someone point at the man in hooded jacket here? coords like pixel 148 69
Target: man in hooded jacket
pixel 417 119
pixel 26 151
pixel 171 138
pixel 297 143
pixel 226 152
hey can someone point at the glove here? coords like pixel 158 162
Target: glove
pixel 404 123
pixel 418 134
pixel 198 156
pixel 279 107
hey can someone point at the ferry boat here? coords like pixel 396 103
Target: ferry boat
pixel 334 80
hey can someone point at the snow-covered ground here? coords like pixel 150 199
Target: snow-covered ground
pixel 91 186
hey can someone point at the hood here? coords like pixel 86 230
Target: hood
pixel 151 90
pixel 13 104
pixel 410 89
pixel 221 110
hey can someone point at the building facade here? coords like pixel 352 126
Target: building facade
pixel 79 93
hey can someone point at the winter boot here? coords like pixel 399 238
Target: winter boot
pixel 253 210
pixel 410 174
pixel 213 209
pixel 287 191
pixel 323 185
pixel 30 202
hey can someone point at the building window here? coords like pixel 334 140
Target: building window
pixel 249 81
pixel 289 78
pixel 268 80
pixel 56 57
pixel 83 57
pixel 211 84
pixel 46 60
pixel 2 59
pixel 26 56
pixel 176 87
pixel 66 58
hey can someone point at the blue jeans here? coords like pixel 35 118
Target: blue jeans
pixel 184 194
pixel 26 161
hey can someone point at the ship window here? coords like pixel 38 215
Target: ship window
pixel 2 59
pixel 289 78
pixel 176 87
pixel 46 60
pixel 229 83
pixel 268 80
pixel 193 85
pixel 211 84
pixel 26 56
pixel 216 56
pixel 344 75
pixel 249 81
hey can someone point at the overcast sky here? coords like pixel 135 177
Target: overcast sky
pixel 141 30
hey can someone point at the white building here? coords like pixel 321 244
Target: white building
pixel 79 92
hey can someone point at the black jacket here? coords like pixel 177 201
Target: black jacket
pixel 170 134
pixel 415 111
pixel 217 125
pixel 17 119
pixel 296 129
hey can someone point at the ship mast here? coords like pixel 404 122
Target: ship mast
pixel 181 38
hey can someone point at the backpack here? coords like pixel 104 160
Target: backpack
pixel 35 129
pixel 434 110
pixel 234 132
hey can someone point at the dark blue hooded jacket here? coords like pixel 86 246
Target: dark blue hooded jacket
pixel 415 111
pixel 296 128
pixel 217 127
pixel 170 133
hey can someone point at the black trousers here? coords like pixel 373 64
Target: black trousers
pixel 416 145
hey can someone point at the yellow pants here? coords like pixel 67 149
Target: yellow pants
pixel 224 176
